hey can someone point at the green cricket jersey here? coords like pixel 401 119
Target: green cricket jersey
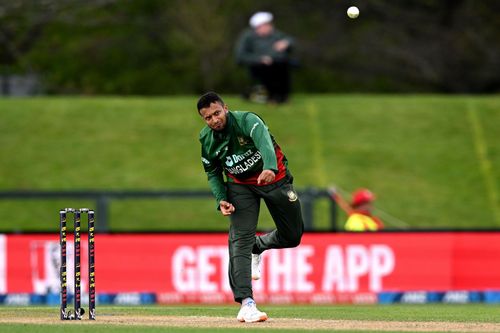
pixel 240 151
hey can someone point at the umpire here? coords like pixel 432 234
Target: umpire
pixel 239 145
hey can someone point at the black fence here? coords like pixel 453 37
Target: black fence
pixel 103 199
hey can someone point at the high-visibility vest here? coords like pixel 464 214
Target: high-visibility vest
pixel 360 222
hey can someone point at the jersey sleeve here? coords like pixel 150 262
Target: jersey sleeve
pixel 213 169
pixel 257 130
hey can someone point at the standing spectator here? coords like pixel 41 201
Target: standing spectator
pixel 359 212
pixel 266 52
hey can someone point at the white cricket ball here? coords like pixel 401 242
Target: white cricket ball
pixel 353 12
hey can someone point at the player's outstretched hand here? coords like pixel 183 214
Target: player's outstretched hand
pixel 226 208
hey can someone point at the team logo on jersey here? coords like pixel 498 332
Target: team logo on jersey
pixel 292 196
pixel 242 141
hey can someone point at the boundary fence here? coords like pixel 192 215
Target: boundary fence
pixel 103 199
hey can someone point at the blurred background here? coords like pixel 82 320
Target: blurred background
pixel 97 109
pixel 183 47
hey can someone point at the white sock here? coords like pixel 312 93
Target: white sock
pixel 246 300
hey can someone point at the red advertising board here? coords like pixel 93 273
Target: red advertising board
pixel 326 267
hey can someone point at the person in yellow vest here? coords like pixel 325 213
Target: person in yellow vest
pixel 359 211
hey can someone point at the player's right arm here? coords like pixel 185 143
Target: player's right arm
pixel 218 187
pixel 213 170
pixel 215 179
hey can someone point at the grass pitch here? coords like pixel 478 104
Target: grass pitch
pixel 390 318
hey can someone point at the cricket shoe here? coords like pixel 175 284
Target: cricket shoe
pixel 256 258
pixel 250 314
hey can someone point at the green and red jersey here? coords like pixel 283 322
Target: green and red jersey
pixel 241 151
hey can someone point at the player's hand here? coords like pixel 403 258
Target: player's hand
pixel 226 208
pixel 266 177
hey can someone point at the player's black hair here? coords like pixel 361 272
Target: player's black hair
pixel 207 99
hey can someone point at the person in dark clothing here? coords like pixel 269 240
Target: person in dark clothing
pixel 266 52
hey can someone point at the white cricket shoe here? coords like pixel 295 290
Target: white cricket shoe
pixel 250 314
pixel 256 258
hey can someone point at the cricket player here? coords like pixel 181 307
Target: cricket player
pixel 238 145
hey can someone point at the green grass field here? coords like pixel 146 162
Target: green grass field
pixel 348 318
pixel 433 161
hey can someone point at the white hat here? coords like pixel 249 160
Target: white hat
pixel 260 18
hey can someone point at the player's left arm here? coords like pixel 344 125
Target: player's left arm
pixel 259 133
pixel 257 130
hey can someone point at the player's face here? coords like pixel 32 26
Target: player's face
pixel 215 116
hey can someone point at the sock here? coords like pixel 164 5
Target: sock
pixel 246 301
pixel 255 249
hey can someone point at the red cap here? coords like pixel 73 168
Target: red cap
pixel 362 196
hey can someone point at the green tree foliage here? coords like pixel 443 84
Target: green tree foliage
pixel 186 46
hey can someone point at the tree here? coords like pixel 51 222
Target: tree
pixel 175 46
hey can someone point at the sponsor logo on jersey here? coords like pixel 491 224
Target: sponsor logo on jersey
pixel 244 162
pixel 243 141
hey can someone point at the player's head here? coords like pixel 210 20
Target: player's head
pixel 213 110
pixel 362 198
pixel 262 23
pixel 207 99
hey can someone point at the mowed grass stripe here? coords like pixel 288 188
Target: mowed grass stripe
pixel 485 163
